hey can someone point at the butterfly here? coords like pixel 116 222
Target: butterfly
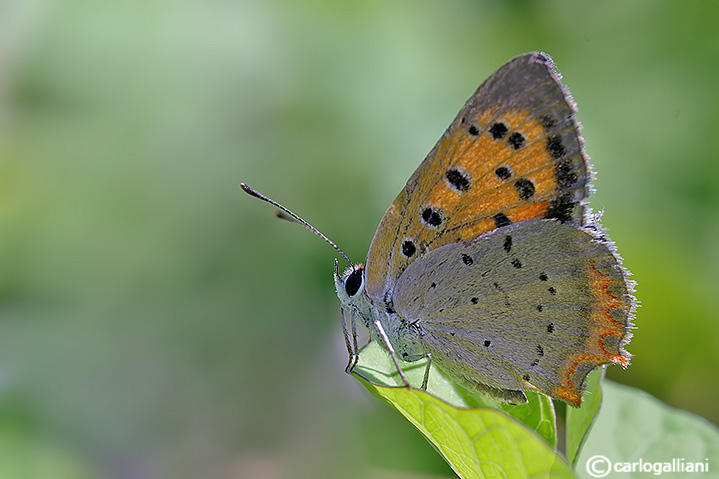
pixel 489 263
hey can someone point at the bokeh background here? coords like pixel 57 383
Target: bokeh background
pixel 157 322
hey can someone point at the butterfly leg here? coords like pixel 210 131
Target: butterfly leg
pixel 351 347
pixel 389 347
pixel 426 370
pixel 354 340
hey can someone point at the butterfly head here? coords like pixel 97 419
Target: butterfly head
pixel 349 284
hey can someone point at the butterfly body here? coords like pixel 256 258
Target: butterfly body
pixel 487 260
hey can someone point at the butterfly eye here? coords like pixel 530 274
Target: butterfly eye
pixel 353 282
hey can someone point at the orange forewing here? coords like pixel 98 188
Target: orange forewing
pixel 489 201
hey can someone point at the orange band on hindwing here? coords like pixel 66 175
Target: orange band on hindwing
pixel 603 326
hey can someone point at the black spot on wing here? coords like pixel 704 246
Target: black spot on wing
pixel 498 130
pixel 525 188
pixel 500 219
pixel 408 248
pixel 566 178
pixel 431 216
pixel 508 244
pixel 555 147
pixel 561 209
pixel 458 179
pixel 516 140
pixel 503 172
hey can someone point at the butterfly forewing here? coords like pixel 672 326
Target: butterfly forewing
pixel 513 153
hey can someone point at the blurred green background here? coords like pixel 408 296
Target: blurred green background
pixel 157 322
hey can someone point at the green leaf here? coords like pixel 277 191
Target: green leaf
pixel 580 420
pixel 634 426
pixel 477 436
pixel 538 414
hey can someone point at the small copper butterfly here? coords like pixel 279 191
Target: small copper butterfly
pixel 489 262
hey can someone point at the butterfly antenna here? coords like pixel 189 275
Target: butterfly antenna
pixel 293 218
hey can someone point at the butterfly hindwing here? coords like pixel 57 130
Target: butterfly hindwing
pixel 537 303
pixel 513 153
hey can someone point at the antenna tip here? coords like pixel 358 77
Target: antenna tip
pixel 250 191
